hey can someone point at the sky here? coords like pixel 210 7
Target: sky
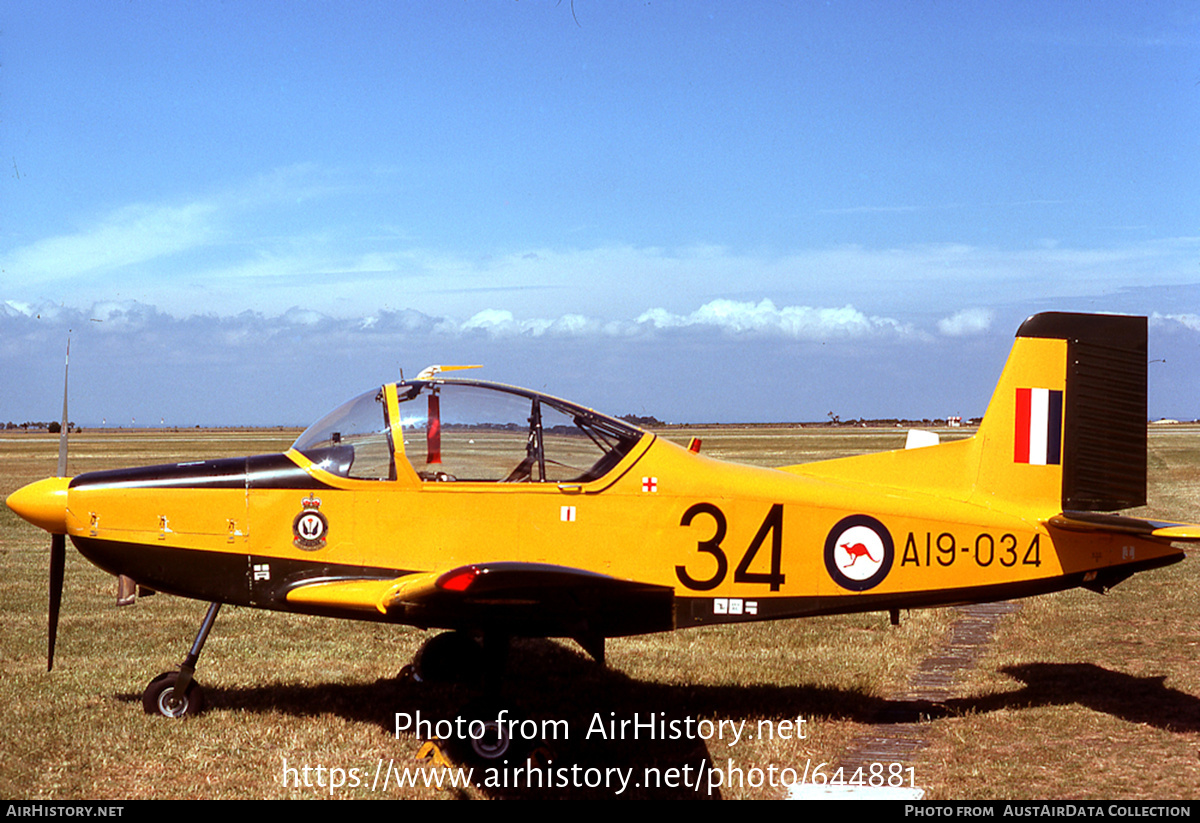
pixel 246 213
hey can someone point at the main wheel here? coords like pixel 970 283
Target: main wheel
pixel 450 657
pixel 160 697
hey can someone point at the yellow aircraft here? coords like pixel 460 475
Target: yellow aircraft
pixel 497 512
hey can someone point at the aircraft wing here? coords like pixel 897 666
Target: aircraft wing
pixel 1120 524
pixel 524 599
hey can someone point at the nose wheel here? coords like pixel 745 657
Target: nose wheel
pixel 493 734
pixel 164 696
pixel 176 694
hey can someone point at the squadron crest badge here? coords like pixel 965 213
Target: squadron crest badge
pixel 310 528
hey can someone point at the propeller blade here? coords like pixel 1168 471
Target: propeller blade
pixel 58 542
pixel 58 559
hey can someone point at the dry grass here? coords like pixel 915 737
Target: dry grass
pixel 1085 696
pixel 1081 696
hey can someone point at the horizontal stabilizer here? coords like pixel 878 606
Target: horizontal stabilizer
pixel 1120 524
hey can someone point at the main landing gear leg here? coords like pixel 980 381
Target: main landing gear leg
pixel 478 662
pixel 176 694
pixel 495 662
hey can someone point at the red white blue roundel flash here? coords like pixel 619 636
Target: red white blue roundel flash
pixel 859 552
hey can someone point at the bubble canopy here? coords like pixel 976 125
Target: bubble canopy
pixel 466 431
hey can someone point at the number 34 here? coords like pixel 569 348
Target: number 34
pixel 772 525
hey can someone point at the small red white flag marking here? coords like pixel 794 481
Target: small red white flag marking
pixel 649 484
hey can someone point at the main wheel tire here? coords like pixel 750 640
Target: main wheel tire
pixel 160 697
pixel 450 657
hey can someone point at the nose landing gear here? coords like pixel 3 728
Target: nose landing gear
pixel 175 694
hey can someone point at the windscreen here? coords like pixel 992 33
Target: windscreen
pixel 353 440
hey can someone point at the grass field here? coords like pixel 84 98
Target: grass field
pixel 1078 696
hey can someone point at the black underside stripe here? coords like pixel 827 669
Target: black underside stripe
pixel 227 578
pixel 234 579
pixel 700 611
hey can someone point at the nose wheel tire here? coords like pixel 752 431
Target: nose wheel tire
pixel 493 745
pixel 161 698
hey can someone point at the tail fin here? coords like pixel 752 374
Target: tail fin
pixel 1068 417
pixel 1065 428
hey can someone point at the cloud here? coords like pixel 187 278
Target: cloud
pixel 132 359
pixel 502 322
pixel 12 308
pixel 302 317
pixel 733 319
pixel 1188 321
pixel 965 322
pixel 206 235
pixel 125 315
pixel 763 318
pixel 211 281
pixel 133 234
pixel 280 240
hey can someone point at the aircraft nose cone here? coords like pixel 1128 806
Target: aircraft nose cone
pixel 43 503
